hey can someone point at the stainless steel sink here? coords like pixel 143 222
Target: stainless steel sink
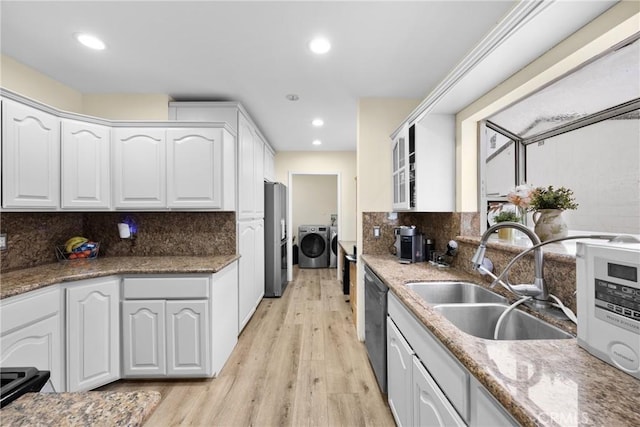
pixel 480 321
pixel 454 292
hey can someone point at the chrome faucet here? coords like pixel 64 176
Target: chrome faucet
pixel 538 290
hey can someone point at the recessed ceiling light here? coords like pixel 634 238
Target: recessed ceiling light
pixel 292 97
pixel 90 41
pixel 317 122
pixel 320 45
pixel 317 142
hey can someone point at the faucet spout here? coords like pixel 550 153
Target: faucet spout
pixel 540 292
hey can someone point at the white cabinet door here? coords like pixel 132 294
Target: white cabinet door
pixel 30 157
pixel 31 333
pixel 85 165
pixel 399 376
pixel 143 338
pixel 139 168
pixel 400 184
pixel 93 337
pixel 269 164
pixel 224 315
pixel 258 177
pixel 430 406
pixel 194 168
pixel 246 165
pixel 246 272
pixel 188 338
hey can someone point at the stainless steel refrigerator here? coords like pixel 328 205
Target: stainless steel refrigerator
pixel 275 239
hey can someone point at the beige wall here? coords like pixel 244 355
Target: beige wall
pixel 127 106
pixel 377 118
pixel 612 27
pixel 26 81
pixel 314 198
pixel 31 83
pixel 332 162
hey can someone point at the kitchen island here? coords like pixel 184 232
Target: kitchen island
pixel 81 409
pixel 538 382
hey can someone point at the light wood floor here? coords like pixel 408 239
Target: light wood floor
pixel 297 363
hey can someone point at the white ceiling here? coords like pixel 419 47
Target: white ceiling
pixel 256 53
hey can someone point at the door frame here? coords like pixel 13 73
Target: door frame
pixel 290 215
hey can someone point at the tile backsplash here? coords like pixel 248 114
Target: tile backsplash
pixel 32 236
pixel 440 226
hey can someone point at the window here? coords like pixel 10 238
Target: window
pixel 581 132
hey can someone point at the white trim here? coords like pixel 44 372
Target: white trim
pixel 517 17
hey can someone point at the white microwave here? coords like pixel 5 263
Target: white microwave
pixel 608 302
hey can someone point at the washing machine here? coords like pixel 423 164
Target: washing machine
pixel 314 246
pixel 333 247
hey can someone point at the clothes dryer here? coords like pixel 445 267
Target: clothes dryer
pixel 314 246
pixel 333 247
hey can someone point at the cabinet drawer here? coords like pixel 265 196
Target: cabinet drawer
pixel 28 308
pixel 166 287
pixel 450 375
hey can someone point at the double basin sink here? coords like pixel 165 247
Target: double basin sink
pixel 476 310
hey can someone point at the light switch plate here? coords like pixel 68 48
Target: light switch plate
pixel 3 242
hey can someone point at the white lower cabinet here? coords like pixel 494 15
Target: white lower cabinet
pixel 31 333
pixel 143 339
pixel 163 333
pixel 400 384
pixel 251 269
pixel 427 385
pixel 430 405
pixel 224 316
pixel 187 338
pixel 93 333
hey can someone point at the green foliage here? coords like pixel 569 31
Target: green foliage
pixel 506 216
pixel 551 198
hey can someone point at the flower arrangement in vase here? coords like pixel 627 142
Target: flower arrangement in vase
pixel 547 205
pixel 520 197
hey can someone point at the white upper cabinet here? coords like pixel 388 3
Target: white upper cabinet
pixel 194 168
pixel 423 165
pixel 30 157
pixel 269 164
pixel 258 176
pixel 399 171
pixel 85 165
pixel 246 169
pixel 139 157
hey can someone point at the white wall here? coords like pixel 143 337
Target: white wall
pixel 601 164
pixel 127 106
pixel 314 199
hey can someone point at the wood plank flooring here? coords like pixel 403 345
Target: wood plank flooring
pixel 297 363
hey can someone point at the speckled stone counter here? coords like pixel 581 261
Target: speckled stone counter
pixel 95 408
pixel 29 279
pixel 540 382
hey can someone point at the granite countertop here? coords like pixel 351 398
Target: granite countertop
pixel 94 408
pixel 20 281
pixel 541 382
pixel 347 245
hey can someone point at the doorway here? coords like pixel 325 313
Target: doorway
pixel 314 198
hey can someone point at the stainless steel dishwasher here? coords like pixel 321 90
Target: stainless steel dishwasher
pixel 375 325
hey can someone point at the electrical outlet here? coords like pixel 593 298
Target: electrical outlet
pixel 3 242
